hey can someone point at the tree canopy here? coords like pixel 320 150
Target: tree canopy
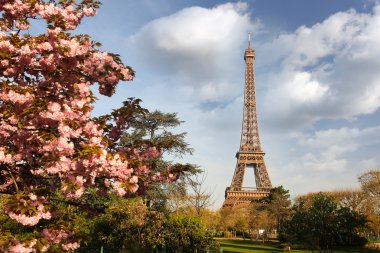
pixel 322 225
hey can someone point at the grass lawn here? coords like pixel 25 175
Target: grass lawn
pixel 239 246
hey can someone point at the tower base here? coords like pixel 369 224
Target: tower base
pixel 236 196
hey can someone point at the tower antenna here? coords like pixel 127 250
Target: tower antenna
pixel 249 40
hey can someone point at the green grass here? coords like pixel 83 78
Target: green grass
pixel 239 246
pixel 235 246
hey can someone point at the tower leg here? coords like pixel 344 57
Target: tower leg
pixel 237 180
pixel 262 177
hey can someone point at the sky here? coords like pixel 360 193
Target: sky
pixel 317 73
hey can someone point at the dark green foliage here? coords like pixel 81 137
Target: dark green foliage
pixel 153 129
pixel 186 234
pixel 156 129
pixel 270 212
pixel 322 225
pixel 129 226
pixel 278 204
pixel 119 228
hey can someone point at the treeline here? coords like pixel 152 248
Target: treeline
pixel 320 221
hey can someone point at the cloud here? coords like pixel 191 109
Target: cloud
pixel 199 46
pixel 331 149
pixel 328 71
pixel 294 99
pixel 342 136
pixel 327 159
pixel 369 164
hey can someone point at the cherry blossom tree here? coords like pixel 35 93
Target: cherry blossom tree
pixel 51 150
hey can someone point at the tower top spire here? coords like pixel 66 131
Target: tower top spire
pixel 249 52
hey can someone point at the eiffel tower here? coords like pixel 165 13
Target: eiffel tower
pixel 250 152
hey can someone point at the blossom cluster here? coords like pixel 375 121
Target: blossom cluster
pixel 49 11
pixel 19 247
pixel 34 204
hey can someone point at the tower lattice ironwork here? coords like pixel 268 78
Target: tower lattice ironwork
pixel 250 152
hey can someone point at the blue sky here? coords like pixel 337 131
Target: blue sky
pixel 317 78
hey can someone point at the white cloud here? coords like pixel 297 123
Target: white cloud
pixel 307 45
pixel 197 30
pixel 327 71
pixel 199 46
pixel 343 136
pixel 305 89
pixel 327 159
pixel 293 99
pixel 369 164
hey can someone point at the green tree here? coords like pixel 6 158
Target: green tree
pixel 186 234
pixel 153 129
pixel 360 202
pixel 211 219
pixel 261 219
pixel 278 204
pixel 322 225
pixel 269 213
pixel 156 129
pixel 121 227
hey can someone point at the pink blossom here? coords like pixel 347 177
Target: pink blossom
pixel 65 130
pixel 54 32
pixel 133 180
pixel 126 74
pixel 22 26
pixel 55 236
pixel 15 97
pixel 70 246
pixel 24 219
pixel 19 248
pixel 95 140
pixel 119 188
pixel 6 46
pixel 4 63
pixel 89 11
pixel 54 107
pixel 30 220
pixel 92 129
pixel 5 158
pixel 6 129
pixel 16 8
pixel 84 88
pixel 79 103
pixel 46 46
pixel 32 196
pixel 132 184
